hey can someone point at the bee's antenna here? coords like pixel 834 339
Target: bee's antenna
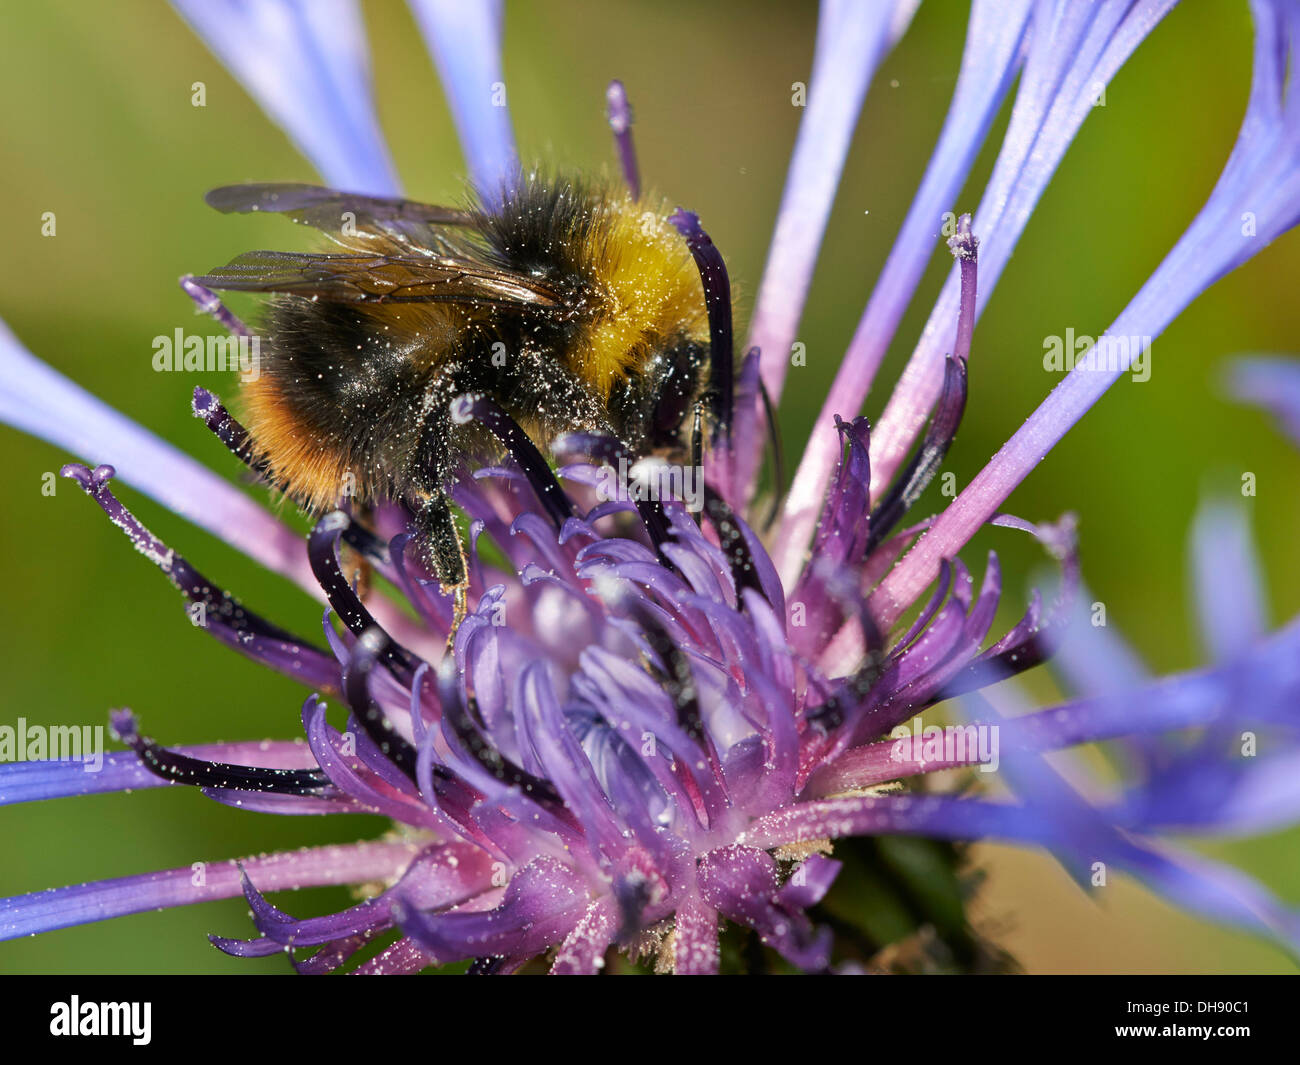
pixel 619 112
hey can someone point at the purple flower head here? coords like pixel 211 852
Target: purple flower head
pixel 657 719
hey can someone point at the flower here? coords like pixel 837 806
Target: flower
pixel 646 725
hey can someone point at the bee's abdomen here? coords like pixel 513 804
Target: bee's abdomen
pixel 336 410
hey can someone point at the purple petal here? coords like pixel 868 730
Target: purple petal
pixel 1074 51
pixel 345 772
pixel 742 884
pixel 874 763
pixel 695 938
pixel 543 903
pixel 942 817
pixel 285 805
pixel 329 957
pixel 561 757
pixel 810 882
pixel 43 911
pixel 401 959
pixel 583 951
pixel 441 876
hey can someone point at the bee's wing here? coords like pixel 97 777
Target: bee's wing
pixel 334 212
pixel 380 279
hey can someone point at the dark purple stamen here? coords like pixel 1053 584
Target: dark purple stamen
pixel 484 410
pixel 964 246
pixel 907 489
pixel 675 677
pixel 367 543
pixel 731 539
pixel 210 303
pixel 459 712
pixel 1032 650
pixel 222 615
pixel 854 688
pixel 182 769
pixel 232 433
pixel 717 299
pixel 356 690
pixel 613 453
pixel 619 112
pixel 633 895
pixel 322 552
pixel 215 416
pixel 778 454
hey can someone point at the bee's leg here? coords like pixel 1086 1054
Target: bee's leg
pixel 697 446
pixel 446 554
pixel 356 567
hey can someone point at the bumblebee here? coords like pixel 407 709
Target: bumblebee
pixel 571 306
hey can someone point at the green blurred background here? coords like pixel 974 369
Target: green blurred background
pixel 98 127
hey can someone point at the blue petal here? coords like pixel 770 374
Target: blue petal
pixel 39 400
pixel 852 39
pixel 1217 892
pixel 1256 199
pixel 465 42
pixel 1075 49
pixel 1229 592
pixel 994 47
pixel 1274 384
pixel 305 62
pixel 44 911
pixel 1088 834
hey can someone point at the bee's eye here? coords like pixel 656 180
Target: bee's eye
pixel 675 389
